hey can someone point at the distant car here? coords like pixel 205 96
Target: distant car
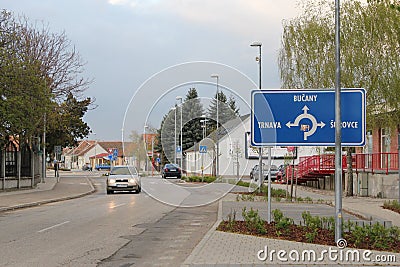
pixel 274 172
pixel 171 170
pixel 252 171
pixel 123 178
pixel 281 175
pixel 87 167
pixel 100 167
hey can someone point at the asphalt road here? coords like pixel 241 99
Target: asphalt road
pixel 106 230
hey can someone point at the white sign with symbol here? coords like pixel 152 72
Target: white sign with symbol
pixel 203 149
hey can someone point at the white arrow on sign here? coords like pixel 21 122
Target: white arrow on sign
pixel 306 115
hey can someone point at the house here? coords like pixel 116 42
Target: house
pixel 97 152
pixel 376 165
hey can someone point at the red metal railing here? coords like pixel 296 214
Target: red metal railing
pixel 376 162
pixel 311 167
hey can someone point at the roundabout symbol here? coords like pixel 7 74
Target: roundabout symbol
pixel 304 127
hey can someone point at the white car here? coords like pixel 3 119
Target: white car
pixel 123 178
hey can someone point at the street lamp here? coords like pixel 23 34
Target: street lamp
pixel 217 141
pixel 95 153
pixel 145 148
pixel 181 100
pixel 260 177
pixel 174 109
pixel 258 44
pixel 204 126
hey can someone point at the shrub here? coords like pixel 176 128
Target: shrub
pixel 392 205
pixel 231 220
pixel 308 199
pixel 282 223
pixel 253 221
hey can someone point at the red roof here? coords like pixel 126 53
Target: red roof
pixel 99 156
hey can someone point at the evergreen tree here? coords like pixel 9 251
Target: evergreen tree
pixel 192 114
pixel 227 111
pixel 232 105
pixel 165 144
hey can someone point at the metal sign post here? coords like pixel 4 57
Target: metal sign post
pixel 338 131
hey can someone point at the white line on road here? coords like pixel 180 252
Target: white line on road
pixel 51 227
pixel 119 205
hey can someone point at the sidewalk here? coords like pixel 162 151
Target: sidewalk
pixel 50 191
pixel 228 249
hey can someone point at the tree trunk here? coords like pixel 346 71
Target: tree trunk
pixel 349 160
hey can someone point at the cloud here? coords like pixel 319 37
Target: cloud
pixel 119 2
pixel 244 17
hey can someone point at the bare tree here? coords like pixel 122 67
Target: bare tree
pixel 61 64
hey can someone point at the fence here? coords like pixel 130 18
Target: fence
pixel 384 162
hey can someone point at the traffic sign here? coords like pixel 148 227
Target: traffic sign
pixel 115 153
pixel 203 149
pixel 57 149
pixel 306 117
pixel 158 160
pixel 178 149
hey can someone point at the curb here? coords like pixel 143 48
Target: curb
pixel 38 203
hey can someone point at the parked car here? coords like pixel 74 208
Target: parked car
pixel 87 167
pixel 281 175
pixel 102 167
pixel 171 170
pixel 253 170
pixel 123 178
pixel 274 172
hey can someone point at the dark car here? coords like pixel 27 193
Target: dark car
pixel 171 170
pixel 87 167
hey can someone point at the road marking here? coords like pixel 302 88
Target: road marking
pixel 51 227
pixel 116 206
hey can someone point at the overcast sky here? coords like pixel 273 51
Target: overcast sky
pixel 127 42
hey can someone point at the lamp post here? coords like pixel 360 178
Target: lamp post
pixel 95 152
pixel 260 175
pixel 145 147
pixel 44 150
pixel 204 126
pixel 174 109
pixel 259 44
pixel 216 136
pixel 181 141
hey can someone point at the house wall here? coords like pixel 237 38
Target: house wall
pixel 377 185
pixel 377 140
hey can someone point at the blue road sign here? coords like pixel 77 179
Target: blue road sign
pixel 158 160
pixel 203 149
pixel 306 117
pixel 110 157
pixel 178 149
